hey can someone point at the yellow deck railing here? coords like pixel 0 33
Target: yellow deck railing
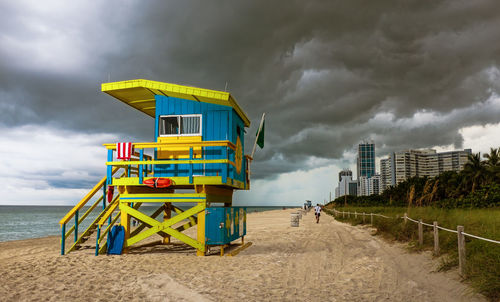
pixel 165 146
pixel 140 165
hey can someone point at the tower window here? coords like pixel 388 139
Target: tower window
pixel 180 125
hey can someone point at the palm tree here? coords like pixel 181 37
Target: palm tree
pixel 474 171
pixel 493 164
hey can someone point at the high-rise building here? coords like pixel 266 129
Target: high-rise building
pixel 453 160
pixel 345 184
pixel 410 163
pixel 366 159
pixel 385 174
pixel 363 186
pixel 427 162
pixel 353 188
pixel 374 184
pixel 369 185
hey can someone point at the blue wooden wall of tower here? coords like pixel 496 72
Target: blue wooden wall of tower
pixel 219 122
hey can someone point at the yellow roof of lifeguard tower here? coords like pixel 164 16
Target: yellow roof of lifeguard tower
pixel 140 94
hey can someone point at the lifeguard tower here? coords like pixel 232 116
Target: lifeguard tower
pixel 196 160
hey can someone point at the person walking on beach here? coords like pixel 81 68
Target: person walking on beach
pixel 317 212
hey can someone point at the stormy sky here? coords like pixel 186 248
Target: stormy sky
pixel 328 74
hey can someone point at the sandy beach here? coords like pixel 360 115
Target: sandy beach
pixel 329 261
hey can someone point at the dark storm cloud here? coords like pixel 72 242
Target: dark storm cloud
pixel 322 70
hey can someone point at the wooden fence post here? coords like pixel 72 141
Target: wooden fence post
pixel 355 214
pixel 461 250
pixel 343 214
pixel 371 218
pixel 363 217
pixel 436 238
pixel 406 218
pixel 348 214
pixel 420 232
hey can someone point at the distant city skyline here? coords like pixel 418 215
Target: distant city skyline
pixel 397 167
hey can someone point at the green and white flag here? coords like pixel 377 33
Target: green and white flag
pixel 260 135
pixel 259 140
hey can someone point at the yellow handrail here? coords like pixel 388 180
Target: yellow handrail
pixel 85 199
pixel 110 211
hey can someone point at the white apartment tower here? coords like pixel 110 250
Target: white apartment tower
pixel 346 186
pixel 427 162
pixel 386 173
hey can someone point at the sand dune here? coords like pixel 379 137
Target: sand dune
pixel 329 261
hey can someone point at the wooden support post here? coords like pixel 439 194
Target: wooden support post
pixel 201 231
pixel 76 226
pixel 167 214
pixel 371 218
pixel 225 166
pixel 363 217
pixel 104 195
pixel 461 250
pixel 420 233
pixel 109 171
pixel 191 165
pixel 436 238
pixel 355 214
pixel 97 240
pixel 125 222
pixel 63 238
pixel 141 167
pixel 406 218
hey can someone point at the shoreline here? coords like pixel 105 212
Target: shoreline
pixel 51 219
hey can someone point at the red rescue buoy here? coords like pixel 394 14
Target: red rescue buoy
pixel 158 182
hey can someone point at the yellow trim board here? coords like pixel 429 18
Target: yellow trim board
pixel 140 94
pixel 239 249
pixel 170 162
pixel 179 147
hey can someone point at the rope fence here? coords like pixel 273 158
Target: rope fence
pixel 460 233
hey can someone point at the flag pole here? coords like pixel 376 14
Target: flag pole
pixel 257 137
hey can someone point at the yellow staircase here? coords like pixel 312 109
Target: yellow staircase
pixel 73 214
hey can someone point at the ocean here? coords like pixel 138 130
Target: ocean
pixel 26 222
